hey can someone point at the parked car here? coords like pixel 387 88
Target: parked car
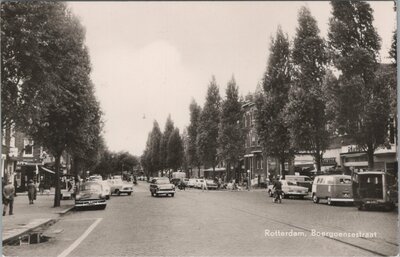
pixel 106 188
pixel 117 186
pixel 161 186
pixel 191 182
pixel 375 189
pixel 95 178
pixel 199 183
pixel 289 188
pixel 211 184
pixel 333 188
pixel 185 181
pixel 303 181
pixel 90 195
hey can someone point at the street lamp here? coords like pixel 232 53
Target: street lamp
pixel 248 180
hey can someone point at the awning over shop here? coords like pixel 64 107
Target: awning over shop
pixel 216 169
pixel 350 155
pixel 50 171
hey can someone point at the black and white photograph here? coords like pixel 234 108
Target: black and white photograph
pixel 199 128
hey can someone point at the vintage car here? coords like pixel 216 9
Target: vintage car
pixel 191 182
pixel 375 189
pixel 289 188
pixel 333 188
pixel 211 184
pixel 303 181
pixel 90 195
pixel 117 186
pixel 161 186
pixel 199 183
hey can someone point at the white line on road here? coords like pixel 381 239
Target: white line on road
pixel 77 242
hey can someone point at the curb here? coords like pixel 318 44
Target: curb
pixel 22 231
pixel 66 210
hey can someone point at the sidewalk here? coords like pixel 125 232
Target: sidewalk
pixel 30 216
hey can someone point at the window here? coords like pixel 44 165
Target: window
pixel 28 147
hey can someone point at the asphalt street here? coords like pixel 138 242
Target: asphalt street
pixel 238 223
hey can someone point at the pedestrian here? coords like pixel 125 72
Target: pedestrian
pixel 41 187
pixel 31 191
pixel 8 198
pixel 204 185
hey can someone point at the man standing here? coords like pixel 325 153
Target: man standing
pixel 8 198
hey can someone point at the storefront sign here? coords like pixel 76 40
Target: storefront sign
pixel 329 161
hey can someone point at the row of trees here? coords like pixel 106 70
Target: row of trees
pixel 164 151
pixel 317 88
pixel 46 89
pixel 312 89
pixel 215 133
pixel 112 163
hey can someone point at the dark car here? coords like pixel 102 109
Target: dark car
pixel 90 195
pixel 161 186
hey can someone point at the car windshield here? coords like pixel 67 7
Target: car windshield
pixel 162 181
pixel 91 187
pixel 345 181
pixel 290 183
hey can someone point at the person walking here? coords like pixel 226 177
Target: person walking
pixel 8 198
pixel 204 185
pixel 31 191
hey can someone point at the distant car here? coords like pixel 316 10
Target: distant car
pixel 211 184
pixel 185 181
pixel 90 196
pixel 150 179
pixel 105 188
pixel 161 186
pixel 117 186
pixel 289 188
pixel 95 178
pixel 199 183
pixel 191 182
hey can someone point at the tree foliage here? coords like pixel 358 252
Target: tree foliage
pixel 207 132
pixel 175 150
pixel 169 128
pixel 231 135
pixel 271 126
pixel 48 65
pixel 151 160
pixel 363 110
pixel 193 157
pixel 306 110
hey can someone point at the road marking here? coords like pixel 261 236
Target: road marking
pixel 78 241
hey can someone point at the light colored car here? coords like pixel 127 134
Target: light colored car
pixel 117 186
pixel 211 184
pixel 161 186
pixel 106 188
pixel 95 178
pixel 191 182
pixel 289 188
pixel 199 183
pixel 90 195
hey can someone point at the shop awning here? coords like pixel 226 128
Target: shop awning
pixel 349 155
pixel 50 171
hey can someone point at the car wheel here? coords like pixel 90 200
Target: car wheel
pixel 107 197
pixel 315 199
pixel 103 207
pixel 119 193
pixel 172 195
pixel 270 193
pixel 129 193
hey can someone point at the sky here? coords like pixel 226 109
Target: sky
pixel 150 59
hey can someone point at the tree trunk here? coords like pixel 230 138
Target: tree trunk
pixel 7 152
pixel 228 171
pixel 198 171
pixel 318 160
pixel 283 168
pixel 57 175
pixel 370 153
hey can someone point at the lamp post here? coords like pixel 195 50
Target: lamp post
pixel 248 180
